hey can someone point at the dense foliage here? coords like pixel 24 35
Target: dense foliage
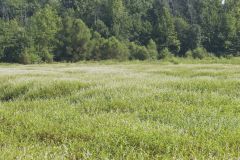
pixel 33 31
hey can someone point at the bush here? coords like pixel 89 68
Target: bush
pixel 200 53
pixel 94 47
pixel 138 52
pixel 228 56
pixel 46 56
pixel 152 49
pixel 165 53
pixel 189 54
pixel 1 53
pixel 114 49
pixel 174 60
pixel 28 56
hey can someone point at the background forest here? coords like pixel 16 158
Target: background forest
pixel 35 31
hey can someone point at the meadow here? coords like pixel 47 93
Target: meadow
pixel 120 110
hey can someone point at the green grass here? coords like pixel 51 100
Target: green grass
pixel 127 110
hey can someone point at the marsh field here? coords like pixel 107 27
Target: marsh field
pixel 124 110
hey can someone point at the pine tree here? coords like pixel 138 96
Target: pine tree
pixel 164 31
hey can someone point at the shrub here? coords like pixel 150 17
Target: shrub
pixel 46 56
pixel 189 54
pixel 152 49
pixel 174 60
pixel 228 56
pixel 1 53
pixel 94 47
pixel 200 53
pixel 138 52
pixel 165 53
pixel 28 56
pixel 114 49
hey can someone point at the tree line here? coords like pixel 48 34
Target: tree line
pixel 35 31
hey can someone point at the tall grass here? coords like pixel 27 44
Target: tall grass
pixel 127 110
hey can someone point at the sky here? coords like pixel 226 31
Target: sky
pixel 223 1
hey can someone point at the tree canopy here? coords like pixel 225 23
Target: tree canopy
pixel 33 31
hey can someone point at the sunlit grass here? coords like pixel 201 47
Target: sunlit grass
pixel 127 110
